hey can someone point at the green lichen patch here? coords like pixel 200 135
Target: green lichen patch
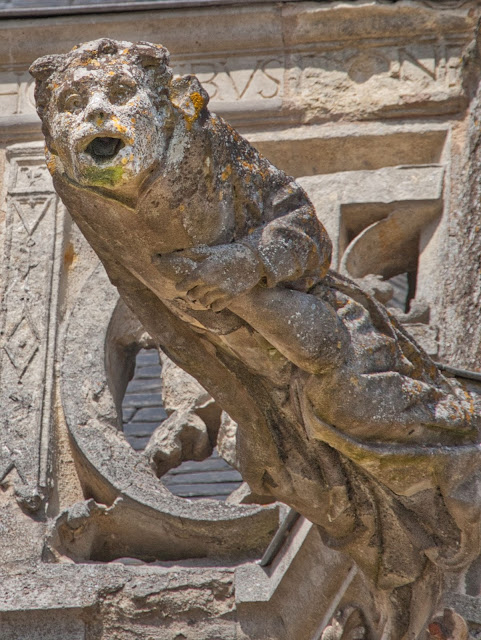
pixel 104 177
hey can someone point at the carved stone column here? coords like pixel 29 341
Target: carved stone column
pixel 462 277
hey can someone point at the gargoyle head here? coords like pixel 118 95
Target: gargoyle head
pixel 109 110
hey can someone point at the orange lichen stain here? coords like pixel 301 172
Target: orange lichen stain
pixel 124 160
pixel 249 166
pixel 111 73
pixel 120 127
pixel 198 103
pixel 131 157
pixel 226 173
pixel 470 410
pixel 52 164
pixel 125 52
pixel 69 256
pixel 132 120
pixel 182 207
pixel 85 62
pixel 99 121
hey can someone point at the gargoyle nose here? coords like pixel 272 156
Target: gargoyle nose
pixel 98 109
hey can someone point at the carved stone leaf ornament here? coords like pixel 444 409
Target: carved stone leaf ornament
pixel 341 415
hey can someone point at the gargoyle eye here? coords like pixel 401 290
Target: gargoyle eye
pixel 73 103
pixel 121 92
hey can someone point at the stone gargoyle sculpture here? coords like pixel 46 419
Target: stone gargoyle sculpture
pixel 221 256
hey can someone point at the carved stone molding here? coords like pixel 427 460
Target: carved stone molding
pixel 32 258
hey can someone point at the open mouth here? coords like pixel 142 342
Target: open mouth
pixel 104 148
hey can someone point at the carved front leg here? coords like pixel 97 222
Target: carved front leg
pixel 302 327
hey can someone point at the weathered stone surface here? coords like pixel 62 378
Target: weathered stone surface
pixel 340 414
pixel 269 609
pixel 41 625
pixel 118 601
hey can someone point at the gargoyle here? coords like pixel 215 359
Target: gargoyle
pixel 341 414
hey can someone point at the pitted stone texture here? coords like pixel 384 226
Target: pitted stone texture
pixel 340 414
pixel 41 625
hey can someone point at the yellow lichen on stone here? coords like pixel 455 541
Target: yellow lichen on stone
pixel 197 101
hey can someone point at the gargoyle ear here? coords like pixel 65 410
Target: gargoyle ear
pixel 151 55
pixel 188 95
pixel 154 59
pixel 43 67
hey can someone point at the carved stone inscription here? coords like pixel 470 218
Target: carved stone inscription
pixel 232 79
pixel 27 339
pixel 322 79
